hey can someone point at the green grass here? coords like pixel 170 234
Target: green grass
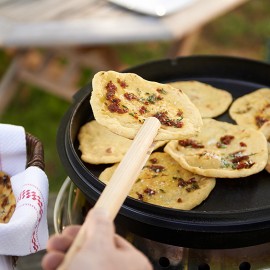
pixel 40 113
pixel 243 32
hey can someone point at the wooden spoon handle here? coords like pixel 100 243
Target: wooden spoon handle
pixel 122 180
pixel 129 169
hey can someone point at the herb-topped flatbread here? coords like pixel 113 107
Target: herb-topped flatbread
pixel 265 129
pixel 210 101
pixel 252 110
pixel 164 182
pixel 99 145
pixel 122 102
pixel 7 198
pixel 221 150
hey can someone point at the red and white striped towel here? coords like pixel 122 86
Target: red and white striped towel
pixel 27 230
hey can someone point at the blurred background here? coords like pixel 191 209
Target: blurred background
pixel 243 32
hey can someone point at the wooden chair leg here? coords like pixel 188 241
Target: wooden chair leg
pixel 34 67
pixel 98 58
pixel 110 58
pixel 184 46
pixel 8 84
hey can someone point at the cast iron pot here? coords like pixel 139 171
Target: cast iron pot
pixel 237 212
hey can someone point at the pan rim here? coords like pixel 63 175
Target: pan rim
pixel 203 220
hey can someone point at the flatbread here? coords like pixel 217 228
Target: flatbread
pixel 7 198
pixel 221 150
pixel 252 110
pixel 164 182
pixel 265 129
pixel 99 145
pixel 122 102
pixel 210 101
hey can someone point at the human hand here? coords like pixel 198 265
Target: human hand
pixel 102 248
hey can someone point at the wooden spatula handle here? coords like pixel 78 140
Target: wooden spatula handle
pixel 122 180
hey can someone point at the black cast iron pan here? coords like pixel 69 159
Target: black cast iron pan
pixel 237 212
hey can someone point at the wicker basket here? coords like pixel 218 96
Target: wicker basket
pixel 35 152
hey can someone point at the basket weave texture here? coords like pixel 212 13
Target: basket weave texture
pixel 35 152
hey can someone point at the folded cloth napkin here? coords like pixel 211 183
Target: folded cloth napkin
pixel 27 230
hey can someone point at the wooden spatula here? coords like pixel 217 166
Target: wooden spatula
pixel 122 180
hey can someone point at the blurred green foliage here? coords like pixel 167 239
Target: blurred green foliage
pixel 40 113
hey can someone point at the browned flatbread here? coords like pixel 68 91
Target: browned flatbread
pixel 164 182
pixel 7 198
pixel 265 129
pixel 210 101
pixel 122 102
pixel 253 109
pixel 221 150
pixel 99 145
